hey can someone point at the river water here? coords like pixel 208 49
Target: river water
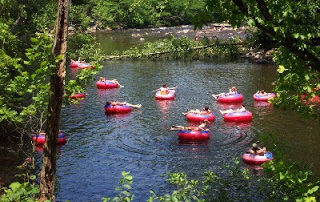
pixel 100 147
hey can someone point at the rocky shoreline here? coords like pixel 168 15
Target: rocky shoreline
pixel 221 31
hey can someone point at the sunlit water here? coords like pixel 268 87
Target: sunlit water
pixel 100 147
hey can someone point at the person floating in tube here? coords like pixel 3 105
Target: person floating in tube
pixel 201 127
pixel 232 91
pixel 205 110
pixel 241 109
pixel 116 103
pixel 164 90
pixel 257 150
pixel 261 92
pixel 103 79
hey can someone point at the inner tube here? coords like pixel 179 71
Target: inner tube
pixel 85 66
pixel 200 117
pixel 257 159
pixel 77 95
pixel 238 116
pixel 117 109
pixel 230 98
pixel 265 98
pixel 170 96
pixel 74 64
pixel 107 84
pixel 193 135
pixel 41 138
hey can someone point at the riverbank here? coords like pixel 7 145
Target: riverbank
pixel 214 32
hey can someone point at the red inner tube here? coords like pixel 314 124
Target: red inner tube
pixel 78 95
pixel 41 138
pixel 258 97
pixel 107 84
pixel 193 135
pixel 200 117
pixel 257 159
pixel 238 116
pixel 170 96
pixel 233 98
pixel 117 109
pixel 73 64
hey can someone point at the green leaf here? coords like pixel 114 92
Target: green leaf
pixel 313 189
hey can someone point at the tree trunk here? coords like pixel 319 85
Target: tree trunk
pixel 48 169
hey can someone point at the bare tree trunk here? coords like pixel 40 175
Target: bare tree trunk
pixel 48 169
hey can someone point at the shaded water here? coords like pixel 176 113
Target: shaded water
pixel 100 147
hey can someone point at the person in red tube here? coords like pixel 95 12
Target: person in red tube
pixel 201 127
pixel 164 90
pixel 257 150
pixel 204 110
pixel 116 103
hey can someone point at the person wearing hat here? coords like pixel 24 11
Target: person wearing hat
pixel 257 150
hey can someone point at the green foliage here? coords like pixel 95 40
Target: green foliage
pixel 279 181
pixel 124 189
pixel 291 182
pixel 17 191
pixel 27 79
pixel 184 48
pixel 134 13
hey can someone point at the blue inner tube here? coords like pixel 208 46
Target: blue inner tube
pixel 127 106
pixel 268 155
pixel 188 131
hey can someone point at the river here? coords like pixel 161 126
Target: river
pixel 100 147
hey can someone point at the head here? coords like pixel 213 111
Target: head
pixel 206 121
pixel 255 145
pixel 233 88
pixel 262 91
pixel 108 103
pixel 206 108
pixel 164 85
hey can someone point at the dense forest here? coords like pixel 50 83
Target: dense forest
pixel 28 60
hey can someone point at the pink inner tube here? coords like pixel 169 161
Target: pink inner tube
pixel 170 96
pixel 233 98
pixel 238 116
pixel 107 84
pixel 117 109
pixel 200 117
pixel 78 95
pixel 258 97
pixel 85 66
pixel 74 64
pixel 257 159
pixel 41 138
pixel 193 135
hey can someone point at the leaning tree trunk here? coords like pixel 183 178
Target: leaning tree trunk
pixel 48 169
